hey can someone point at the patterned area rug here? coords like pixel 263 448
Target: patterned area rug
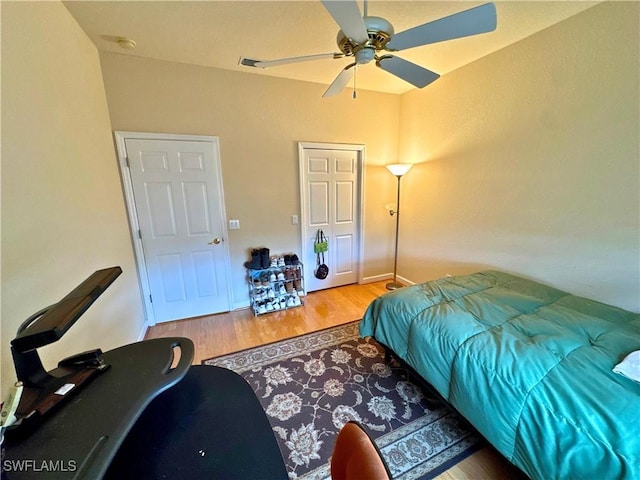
pixel 311 385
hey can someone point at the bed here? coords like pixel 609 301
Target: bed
pixel 528 365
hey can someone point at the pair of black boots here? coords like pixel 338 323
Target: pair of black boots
pixel 259 259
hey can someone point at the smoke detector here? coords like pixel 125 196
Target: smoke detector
pixel 126 43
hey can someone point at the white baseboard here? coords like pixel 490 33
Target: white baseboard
pixel 386 276
pixel 376 278
pixel 406 281
pixel 143 331
pixel 240 305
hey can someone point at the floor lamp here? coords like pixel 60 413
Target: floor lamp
pixel 398 169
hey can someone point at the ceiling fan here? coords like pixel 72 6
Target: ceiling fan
pixel 367 39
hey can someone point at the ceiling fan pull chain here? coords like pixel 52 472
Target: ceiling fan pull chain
pixel 355 76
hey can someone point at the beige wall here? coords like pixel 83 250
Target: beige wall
pixel 529 162
pixel 62 211
pixel 259 121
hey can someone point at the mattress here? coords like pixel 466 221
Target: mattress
pixel 528 365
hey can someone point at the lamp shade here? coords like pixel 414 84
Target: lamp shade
pixel 399 169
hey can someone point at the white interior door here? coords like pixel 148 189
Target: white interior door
pixel 179 207
pixel 330 186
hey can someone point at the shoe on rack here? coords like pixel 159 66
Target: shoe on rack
pixel 287 259
pixel 272 277
pixel 294 259
pixel 291 302
pixel 262 308
pixel 296 301
pixel 255 262
pixel 271 293
pixel 288 287
pixel 264 279
pixel 280 276
pixel 274 262
pixel 297 284
pixel 264 257
pixel 269 307
pixel 282 290
pixel 281 261
pixel 276 305
pixel 288 273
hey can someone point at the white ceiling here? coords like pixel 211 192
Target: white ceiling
pixel 217 33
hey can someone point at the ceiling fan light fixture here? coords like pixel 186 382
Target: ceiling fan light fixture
pixel 365 55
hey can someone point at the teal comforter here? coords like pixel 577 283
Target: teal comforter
pixel 528 365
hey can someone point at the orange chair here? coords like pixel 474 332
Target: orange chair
pixel 356 456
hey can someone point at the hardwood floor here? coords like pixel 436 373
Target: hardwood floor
pixel 216 335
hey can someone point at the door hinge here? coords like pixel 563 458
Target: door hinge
pixel 140 234
pixel 126 159
pixel 150 299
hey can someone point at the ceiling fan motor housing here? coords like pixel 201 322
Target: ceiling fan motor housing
pixel 380 32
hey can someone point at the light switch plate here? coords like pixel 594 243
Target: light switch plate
pixel 234 224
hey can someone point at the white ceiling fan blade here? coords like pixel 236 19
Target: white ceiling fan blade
pixel 347 15
pixel 476 20
pixel 284 61
pixel 407 71
pixel 340 81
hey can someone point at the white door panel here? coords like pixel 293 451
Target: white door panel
pixel 345 208
pixel 178 199
pixel 318 204
pixel 197 208
pixel 344 255
pixel 330 186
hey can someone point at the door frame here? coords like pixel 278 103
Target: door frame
pixel 361 152
pixel 134 226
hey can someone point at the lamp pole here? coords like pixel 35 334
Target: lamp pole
pixel 394 285
pixel 398 169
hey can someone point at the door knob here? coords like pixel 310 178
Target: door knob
pixel 215 241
